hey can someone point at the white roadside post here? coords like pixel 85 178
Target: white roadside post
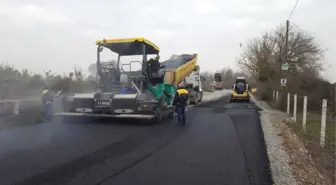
pixel 288 103
pixel 295 107
pixel 273 97
pixel 277 95
pixel 323 122
pixel 304 114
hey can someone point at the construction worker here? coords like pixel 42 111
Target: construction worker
pixel 180 102
pixel 47 103
pixel 126 90
pixel 154 65
pixel 122 91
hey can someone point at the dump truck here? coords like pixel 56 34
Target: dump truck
pixel 149 98
pixel 240 91
pixel 183 71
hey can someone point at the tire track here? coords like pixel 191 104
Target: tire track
pixel 111 160
pixel 252 141
pixel 246 120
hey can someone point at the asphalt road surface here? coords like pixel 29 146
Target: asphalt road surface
pixel 222 143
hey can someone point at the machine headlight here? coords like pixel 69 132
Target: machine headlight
pixel 143 107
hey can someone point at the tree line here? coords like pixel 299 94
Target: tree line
pixel 262 57
pixel 16 83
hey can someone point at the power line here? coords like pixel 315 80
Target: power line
pixel 290 15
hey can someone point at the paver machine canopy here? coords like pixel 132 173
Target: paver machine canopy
pixel 147 96
pixel 141 79
pixel 123 47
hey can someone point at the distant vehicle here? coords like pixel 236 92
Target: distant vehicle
pixel 219 83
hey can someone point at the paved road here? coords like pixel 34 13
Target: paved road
pixel 221 144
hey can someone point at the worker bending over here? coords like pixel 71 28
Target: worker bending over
pixel 180 102
pixel 47 103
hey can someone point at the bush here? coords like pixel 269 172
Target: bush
pixel 265 96
pixel 24 84
pixel 265 93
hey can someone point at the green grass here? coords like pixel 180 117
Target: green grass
pixel 313 130
pixel 324 157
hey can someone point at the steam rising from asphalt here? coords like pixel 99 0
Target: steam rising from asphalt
pixel 29 138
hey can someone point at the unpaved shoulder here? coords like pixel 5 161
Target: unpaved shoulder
pixel 290 161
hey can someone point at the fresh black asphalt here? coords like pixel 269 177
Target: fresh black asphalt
pixel 222 143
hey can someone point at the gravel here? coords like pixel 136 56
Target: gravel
pixel 282 172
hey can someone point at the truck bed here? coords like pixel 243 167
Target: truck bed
pixel 178 67
pixel 177 61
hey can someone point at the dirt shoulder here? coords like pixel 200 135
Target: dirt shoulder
pixel 298 161
pixel 305 169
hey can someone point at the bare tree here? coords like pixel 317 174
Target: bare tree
pixel 304 54
pixel 259 57
pixel 208 80
pixel 263 56
pixel 93 69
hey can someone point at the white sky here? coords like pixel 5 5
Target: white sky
pixel 56 34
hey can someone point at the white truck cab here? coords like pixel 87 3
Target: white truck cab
pixel 193 82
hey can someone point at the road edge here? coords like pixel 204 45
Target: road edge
pixel 279 159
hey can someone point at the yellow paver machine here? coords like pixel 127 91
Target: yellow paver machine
pixel 151 88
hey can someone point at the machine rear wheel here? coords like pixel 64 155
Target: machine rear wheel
pixel 196 100
pixel 170 116
pixel 157 120
pixel 201 98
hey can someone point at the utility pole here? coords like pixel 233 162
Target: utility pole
pixel 284 60
pixel 286 43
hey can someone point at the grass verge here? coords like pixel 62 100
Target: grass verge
pixel 324 157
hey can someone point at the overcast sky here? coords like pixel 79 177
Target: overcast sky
pixel 56 34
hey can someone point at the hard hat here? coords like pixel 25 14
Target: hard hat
pixel 45 91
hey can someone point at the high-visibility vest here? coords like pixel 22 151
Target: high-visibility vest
pixel 46 97
pixel 45 92
pixel 183 96
pixel 182 91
